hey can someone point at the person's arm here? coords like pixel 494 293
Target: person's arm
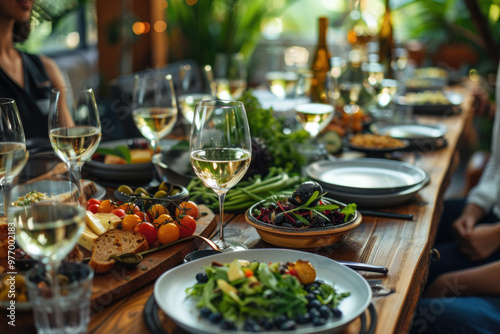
pixel 53 71
pixel 477 281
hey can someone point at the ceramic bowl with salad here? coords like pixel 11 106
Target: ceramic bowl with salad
pixel 304 220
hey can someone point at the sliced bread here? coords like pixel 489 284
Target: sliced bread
pixel 115 242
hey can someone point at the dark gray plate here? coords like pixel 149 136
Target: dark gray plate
pixel 408 130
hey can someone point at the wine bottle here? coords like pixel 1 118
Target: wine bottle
pixel 360 31
pixel 320 65
pixel 386 42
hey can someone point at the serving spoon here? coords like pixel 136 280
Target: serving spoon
pixel 131 260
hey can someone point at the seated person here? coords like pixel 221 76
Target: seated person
pixel 463 292
pixel 26 78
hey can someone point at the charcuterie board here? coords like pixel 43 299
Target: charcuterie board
pixel 119 282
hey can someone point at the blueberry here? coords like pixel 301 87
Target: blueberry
pixel 314 313
pixel 312 286
pixel 279 319
pixel 325 311
pixel 316 292
pixel 315 304
pixel 215 317
pixel 288 325
pixel 205 312
pixel 304 318
pixel 228 325
pixel 337 313
pixel 266 324
pixel 319 321
pixel 310 297
pixel 202 277
pixel 251 326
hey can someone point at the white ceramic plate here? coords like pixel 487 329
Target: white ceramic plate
pixel 366 175
pixel 377 200
pixel 411 131
pixel 169 290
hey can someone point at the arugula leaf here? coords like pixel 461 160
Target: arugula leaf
pixel 349 211
pixel 119 151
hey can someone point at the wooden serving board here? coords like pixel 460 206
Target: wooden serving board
pixel 119 282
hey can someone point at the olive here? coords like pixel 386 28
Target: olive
pixel 125 189
pixel 174 191
pixel 140 190
pixel 165 186
pixel 304 192
pixel 160 194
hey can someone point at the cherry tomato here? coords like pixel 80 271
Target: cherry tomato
pixel 93 201
pixel 147 230
pixel 106 206
pixel 162 220
pixel 118 212
pixel 129 208
pixel 94 208
pixel 157 210
pixel 187 226
pixel 187 208
pixel 144 217
pixel 130 221
pixel 168 233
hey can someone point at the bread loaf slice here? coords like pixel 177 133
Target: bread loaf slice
pixel 115 242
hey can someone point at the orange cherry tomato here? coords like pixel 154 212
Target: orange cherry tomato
pixel 187 226
pixel 130 221
pixel 162 220
pixel 168 233
pixel 129 208
pixel 106 206
pixel 157 210
pixel 187 208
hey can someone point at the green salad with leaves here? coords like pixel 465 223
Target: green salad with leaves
pixel 256 296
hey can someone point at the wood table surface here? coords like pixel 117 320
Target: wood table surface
pixel 403 246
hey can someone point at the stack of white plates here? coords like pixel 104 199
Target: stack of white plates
pixel 369 182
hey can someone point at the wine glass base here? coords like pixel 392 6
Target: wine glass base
pixel 230 246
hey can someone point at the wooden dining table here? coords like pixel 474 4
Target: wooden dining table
pixel 403 246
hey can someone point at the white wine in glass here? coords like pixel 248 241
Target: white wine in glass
pixel 154 106
pixel 12 142
pixel 74 127
pixel 221 150
pixel 49 225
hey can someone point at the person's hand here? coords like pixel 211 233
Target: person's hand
pixel 483 241
pixel 464 225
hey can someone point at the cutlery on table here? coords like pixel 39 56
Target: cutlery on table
pixel 365 267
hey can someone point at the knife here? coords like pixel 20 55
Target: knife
pixel 386 214
pixel 364 267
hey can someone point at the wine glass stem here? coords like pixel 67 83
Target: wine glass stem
pixel 222 197
pixel 76 175
pixel 155 145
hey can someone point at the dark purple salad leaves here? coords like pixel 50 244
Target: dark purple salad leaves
pixel 316 212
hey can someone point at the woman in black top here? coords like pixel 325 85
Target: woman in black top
pixel 26 78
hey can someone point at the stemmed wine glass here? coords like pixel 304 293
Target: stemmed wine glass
pixel 74 127
pixel 12 140
pixel 189 94
pixel 221 150
pixel 49 217
pixel 154 106
pixel 230 75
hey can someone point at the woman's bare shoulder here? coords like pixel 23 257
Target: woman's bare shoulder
pixel 53 71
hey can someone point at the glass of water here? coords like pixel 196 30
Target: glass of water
pixel 75 281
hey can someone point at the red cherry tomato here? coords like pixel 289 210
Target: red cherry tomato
pixel 93 208
pixel 93 201
pixel 187 226
pixel 147 230
pixel 118 212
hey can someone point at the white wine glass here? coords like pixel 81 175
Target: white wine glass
pixel 74 127
pixel 221 149
pixel 189 94
pixel 12 140
pixel 49 217
pixel 154 106
pixel 230 75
